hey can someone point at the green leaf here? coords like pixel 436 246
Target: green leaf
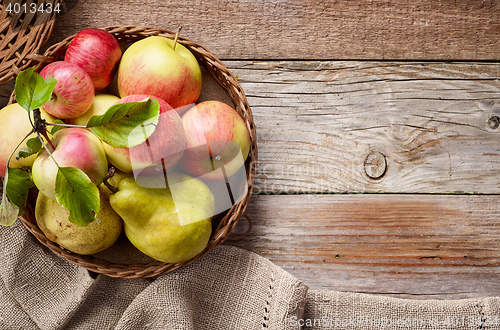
pixel 31 90
pixel 56 128
pixel 33 146
pixel 8 212
pixel 16 185
pixel 126 125
pixel 77 194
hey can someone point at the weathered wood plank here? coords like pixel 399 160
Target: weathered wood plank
pixel 436 125
pixel 305 29
pixel 409 246
pixel 319 121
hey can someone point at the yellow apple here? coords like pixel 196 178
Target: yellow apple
pixel 101 103
pixel 14 126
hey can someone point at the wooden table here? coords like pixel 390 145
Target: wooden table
pixel 378 133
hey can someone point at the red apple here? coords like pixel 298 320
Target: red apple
pixel 97 52
pixel 152 66
pixel 76 147
pixel 160 152
pixel 216 136
pixel 74 91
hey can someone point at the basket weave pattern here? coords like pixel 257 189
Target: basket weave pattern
pixel 21 36
pixel 225 226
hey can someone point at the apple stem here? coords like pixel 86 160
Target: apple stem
pixel 177 36
pixel 217 159
pixel 111 173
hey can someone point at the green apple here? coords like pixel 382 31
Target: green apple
pixel 14 126
pixel 53 221
pixel 166 217
pixel 152 66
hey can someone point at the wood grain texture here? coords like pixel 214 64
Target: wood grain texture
pixel 318 121
pixel 434 123
pixel 309 29
pixel 408 246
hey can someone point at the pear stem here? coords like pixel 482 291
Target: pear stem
pixel 177 36
pixel 111 173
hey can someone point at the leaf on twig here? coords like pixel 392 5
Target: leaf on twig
pixel 126 125
pixel 32 91
pixel 16 186
pixel 78 194
pixel 8 212
pixel 33 146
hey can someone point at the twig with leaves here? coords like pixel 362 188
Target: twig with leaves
pixel 122 126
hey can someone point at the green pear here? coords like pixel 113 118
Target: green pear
pixel 170 222
pixel 52 219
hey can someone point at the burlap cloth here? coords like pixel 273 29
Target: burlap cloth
pixel 231 288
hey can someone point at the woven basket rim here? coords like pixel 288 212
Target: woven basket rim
pixel 230 84
pixel 34 31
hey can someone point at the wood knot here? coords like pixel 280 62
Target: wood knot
pixel 494 122
pixel 375 165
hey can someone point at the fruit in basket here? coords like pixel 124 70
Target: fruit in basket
pixel 163 149
pixel 216 137
pixel 74 91
pixel 152 66
pixel 75 147
pixel 121 157
pixel 101 103
pixel 170 225
pixel 52 219
pixel 97 52
pixel 14 125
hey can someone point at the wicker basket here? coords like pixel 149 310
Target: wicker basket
pixel 22 35
pixel 225 223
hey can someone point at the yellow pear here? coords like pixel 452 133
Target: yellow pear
pixel 168 223
pixel 52 219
